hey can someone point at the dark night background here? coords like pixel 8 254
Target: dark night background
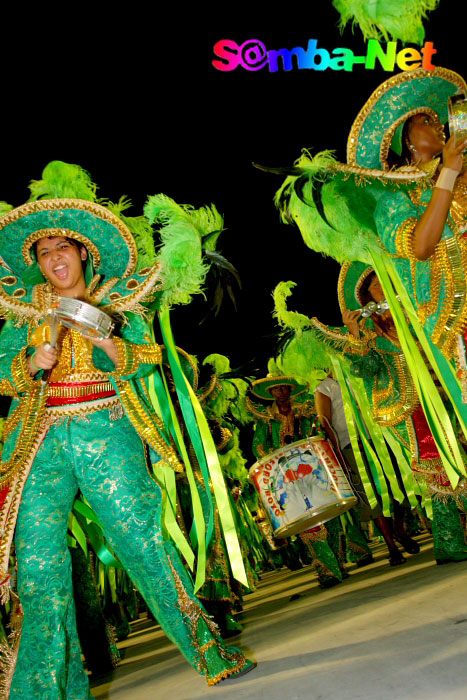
pixel 135 100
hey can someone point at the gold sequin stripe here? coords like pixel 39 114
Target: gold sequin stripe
pixel 428 308
pixel 454 313
pixel 6 388
pixel 16 471
pixel 194 613
pixel 404 238
pixel 74 391
pixel 11 422
pixel 131 356
pixel 35 404
pixel 22 380
pixel 145 425
pixel 402 409
pixel 56 413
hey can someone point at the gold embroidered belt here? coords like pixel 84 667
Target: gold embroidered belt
pixel 61 393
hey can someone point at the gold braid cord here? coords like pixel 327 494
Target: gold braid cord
pixel 22 380
pixel 146 424
pixel 15 471
pixel 195 613
pixel 9 649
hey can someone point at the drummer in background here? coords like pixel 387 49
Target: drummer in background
pixel 330 411
pixel 282 420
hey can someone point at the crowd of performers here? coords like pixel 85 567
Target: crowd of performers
pixel 126 483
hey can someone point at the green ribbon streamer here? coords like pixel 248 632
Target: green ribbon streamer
pixel 220 492
pixel 198 531
pixel 187 408
pixel 78 533
pixel 381 459
pixel 206 454
pixel 411 486
pixel 353 419
pixel 94 533
pixel 433 407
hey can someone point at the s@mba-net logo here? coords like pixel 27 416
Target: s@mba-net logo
pixel 253 55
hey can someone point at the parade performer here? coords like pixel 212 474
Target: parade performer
pixel 378 359
pixel 222 396
pixel 330 412
pixel 80 419
pixel 284 421
pixel 341 209
pixel 374 352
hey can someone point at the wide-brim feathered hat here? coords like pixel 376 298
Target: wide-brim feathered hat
pixel 333 203
pixel 262 387
pixel 124 270
pixel 112 249
pixel 378 125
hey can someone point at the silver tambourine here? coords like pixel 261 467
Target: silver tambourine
pixel 374 307
pixel 457 109
pixel 84 318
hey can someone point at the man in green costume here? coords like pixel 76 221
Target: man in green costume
pixel 81 419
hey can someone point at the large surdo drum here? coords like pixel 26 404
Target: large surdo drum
pixel 302 485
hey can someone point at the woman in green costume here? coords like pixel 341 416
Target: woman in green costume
pixel 81 419
pixel 281 423
pixel 374 351
pixel 394 187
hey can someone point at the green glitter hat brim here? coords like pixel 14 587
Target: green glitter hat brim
pixel 104 235
pixel 351 278
pixel 262 387
pixel 391 104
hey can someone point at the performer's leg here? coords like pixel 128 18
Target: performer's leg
pixel 111 468
pixel 358 550
pixel 448 533
pixel 49 660
pixel 336 541
pixel 324 559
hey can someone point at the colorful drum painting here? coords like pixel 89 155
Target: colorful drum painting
pixel 302 485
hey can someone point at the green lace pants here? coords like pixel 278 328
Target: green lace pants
pixel 106 460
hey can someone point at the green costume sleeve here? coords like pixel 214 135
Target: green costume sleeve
pixel 396 217
pixel 136 351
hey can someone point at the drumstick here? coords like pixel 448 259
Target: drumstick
pixel 54 325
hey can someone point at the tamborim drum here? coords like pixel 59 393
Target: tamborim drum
pixel 302 485
pixel 84 318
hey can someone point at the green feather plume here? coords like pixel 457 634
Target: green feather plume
pixel 333 212
pixel 221 363
pixel 5 208
pixel 63 180
pixel 286 318
pixel 238 407
pixel 181 255
pixel 384 19
pixel 139 227
pixel 233 462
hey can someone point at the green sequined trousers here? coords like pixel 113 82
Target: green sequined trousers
pixel 448 532
pixel 325 547
pixel 106 460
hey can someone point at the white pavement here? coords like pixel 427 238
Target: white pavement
pixel 385 633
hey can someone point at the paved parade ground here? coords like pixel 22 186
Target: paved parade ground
pixel 385 633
